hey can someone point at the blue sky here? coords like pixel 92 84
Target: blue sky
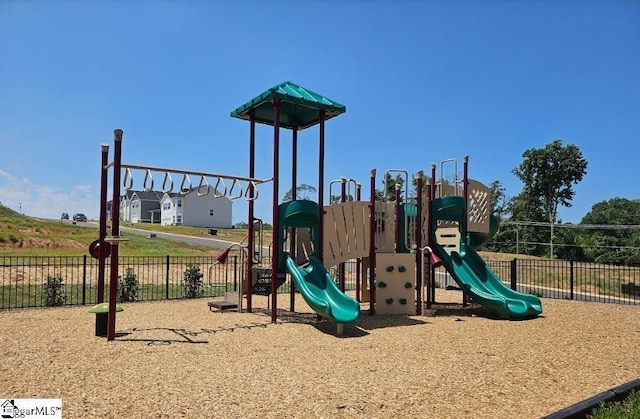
pixel 422 82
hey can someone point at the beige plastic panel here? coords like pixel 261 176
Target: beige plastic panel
pixel 479 207
pixel 395 281
pixel 304 245
pixel 385 227
pixel 346 232
pixel 449 238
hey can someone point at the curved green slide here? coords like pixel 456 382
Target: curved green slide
pixel 474 276
pixel 319 290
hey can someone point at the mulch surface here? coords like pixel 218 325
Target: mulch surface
pixel 178 359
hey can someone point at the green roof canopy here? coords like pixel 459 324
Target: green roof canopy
pixel 298 106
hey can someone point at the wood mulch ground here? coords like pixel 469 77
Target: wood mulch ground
pixel 178 359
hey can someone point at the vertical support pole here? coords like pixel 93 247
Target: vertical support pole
pixel 513 274
pixel 275 220
pixel 465 193
pixel 397 230
pixel 465 220
pixel 372 243
pixel 433 226
pixel 321 187
pixel 358 260
pixel 115 232
pixel 294 186
pixel 102 229
pixel 418 236
pixel 343 199
pixel 251 238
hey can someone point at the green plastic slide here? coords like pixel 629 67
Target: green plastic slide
pixel 319 290
pixel 476 278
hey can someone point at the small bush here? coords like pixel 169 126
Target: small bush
pixel 53 292
pixel 193 282
pixel 628 408
pixel 128 286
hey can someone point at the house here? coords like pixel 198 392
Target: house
pixel 144 207
pixel 189 209
pixel 125 207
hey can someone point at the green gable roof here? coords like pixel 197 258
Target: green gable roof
pixel 298 106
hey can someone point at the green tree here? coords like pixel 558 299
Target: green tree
pixel 302 192
pixel 414 182
pixel 548 175
pixel 389 193
pixel 498 199
pixel 612 245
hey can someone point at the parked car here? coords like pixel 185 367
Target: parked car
pixel 64 216
pixel 79 217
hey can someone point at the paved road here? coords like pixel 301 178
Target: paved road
pixel 201 241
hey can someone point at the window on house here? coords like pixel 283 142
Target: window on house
pixel 179 218
pixel 174 205
pixel 174 219
pixel 211 212
pixel 179 203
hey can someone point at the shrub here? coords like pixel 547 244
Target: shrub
pixel 628 408
pixel 193 282
pixel 53 292
pixel 128 286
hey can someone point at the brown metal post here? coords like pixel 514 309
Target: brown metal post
pixel 432 270
pixel 419 252
pixel 343 199
pixel 358 260
pixel 321 187
pixel 102 229
pixel 463 228
pixel 251 230
pixel 372 243
pixel 275 221
pixel 294 186
pixel 428 243
pixel 397 217
pixel 115 233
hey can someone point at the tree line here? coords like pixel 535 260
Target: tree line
pixel 529 222
pixel 608 233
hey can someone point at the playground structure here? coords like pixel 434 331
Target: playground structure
pixel 395 243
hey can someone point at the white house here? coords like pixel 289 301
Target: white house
pixel 189 209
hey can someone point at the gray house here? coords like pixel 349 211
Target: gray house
pixel 144 207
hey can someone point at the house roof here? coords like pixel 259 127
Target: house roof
pixel 299 107
pixel 149 195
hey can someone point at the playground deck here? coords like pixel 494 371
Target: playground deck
pixel 177 359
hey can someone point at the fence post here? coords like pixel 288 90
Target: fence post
pixel 235 272
pixel 84 279
pixel 167 279
pixel 571 279
pixel 514 274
